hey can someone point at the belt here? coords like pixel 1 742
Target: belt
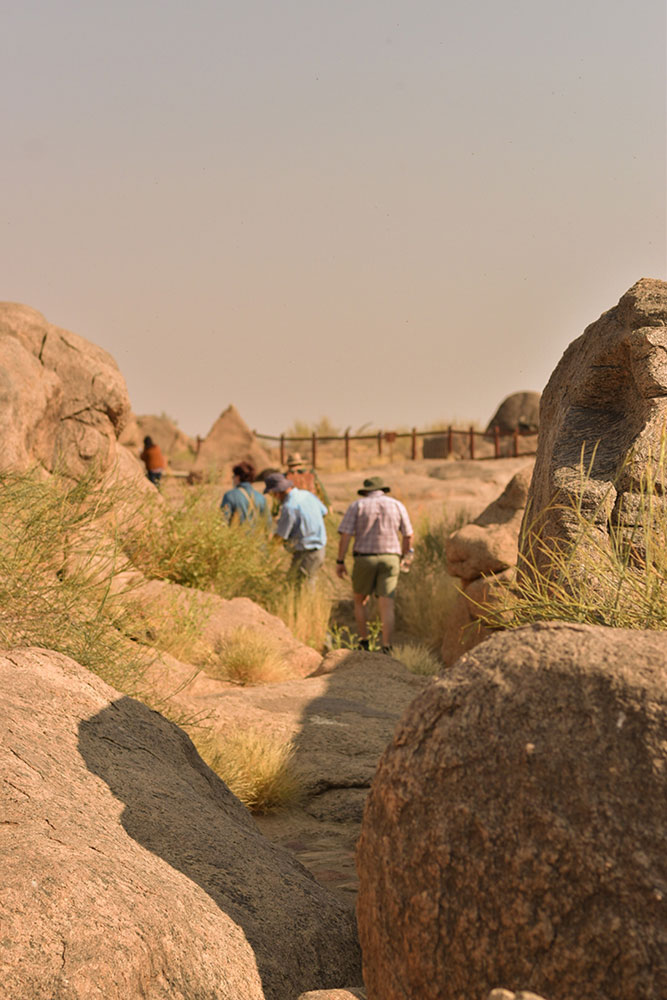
pixel 375 553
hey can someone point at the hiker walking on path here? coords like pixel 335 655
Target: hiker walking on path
pixel 305 478
pixel 243 500
pixel 154 461
pixel 300 525
pixel 383 537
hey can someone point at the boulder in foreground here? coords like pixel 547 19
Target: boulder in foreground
pixel 514 832
pixel 130 870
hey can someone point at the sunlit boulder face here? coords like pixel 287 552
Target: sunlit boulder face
pixel 602 420
pixel 514 834
pixel 130 870
pixel 63 400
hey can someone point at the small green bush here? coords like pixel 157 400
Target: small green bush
pixel 193 545
pixel 58 559
pixel 417 658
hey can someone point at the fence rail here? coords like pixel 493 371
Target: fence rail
pixel 450 436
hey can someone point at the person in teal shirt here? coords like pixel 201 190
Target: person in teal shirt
pixel 243 502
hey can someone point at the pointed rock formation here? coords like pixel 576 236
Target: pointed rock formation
pixel 229 441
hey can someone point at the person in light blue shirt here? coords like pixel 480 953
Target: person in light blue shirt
pixel 244 502
pixel 300 525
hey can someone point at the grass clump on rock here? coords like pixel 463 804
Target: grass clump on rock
pixel 257 766
pixel 611 571
pixel 247 656
pixel 418 659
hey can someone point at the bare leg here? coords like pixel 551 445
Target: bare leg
pixel 360 602
pixel 386 608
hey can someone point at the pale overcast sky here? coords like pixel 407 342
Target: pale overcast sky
pixel 375 210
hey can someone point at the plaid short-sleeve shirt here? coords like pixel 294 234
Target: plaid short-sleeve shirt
pixel 377 521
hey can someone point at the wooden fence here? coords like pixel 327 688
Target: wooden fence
pixel 453 440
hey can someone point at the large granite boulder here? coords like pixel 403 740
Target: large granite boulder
pixel 602 418
pixel 515 829
pixel 129 869
pixel 63 400
pixel 482 555
pixel 520 410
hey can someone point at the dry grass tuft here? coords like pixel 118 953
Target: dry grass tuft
pixel 306 611
pixel 257 766
pixel 417 658
pixel 427 594
pixel 247 656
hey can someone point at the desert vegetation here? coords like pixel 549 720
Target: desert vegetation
pixel 612 571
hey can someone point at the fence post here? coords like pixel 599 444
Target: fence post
pixel 314 450
pixel 347 449
pixel 414 444
pixel 496 440
pixel 282 449
pixel 199 441
pixel 450 441
pixel 472 442
pixel 516 442
pixel 380 444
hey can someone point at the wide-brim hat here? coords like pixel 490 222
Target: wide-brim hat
pixel 294 459
pixel 372 485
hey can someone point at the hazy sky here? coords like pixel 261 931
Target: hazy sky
pixel 376 210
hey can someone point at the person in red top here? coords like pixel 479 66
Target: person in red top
pixel 154 461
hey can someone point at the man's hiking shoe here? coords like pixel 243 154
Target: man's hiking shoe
pixel 363 644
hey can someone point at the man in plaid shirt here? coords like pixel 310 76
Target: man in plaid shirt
pixel 383 536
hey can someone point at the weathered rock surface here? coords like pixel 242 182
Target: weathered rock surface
pixel 354 994
pixel 340 723
pixel 220 617
pixel 129 869
pixel 178 448
pixel 521 409
pixel 63 400
pixel 508 995
pixel 514 832
pixel 606 401
pixel 482 555
pixel 229 441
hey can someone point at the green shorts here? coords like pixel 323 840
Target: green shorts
pixel 376 574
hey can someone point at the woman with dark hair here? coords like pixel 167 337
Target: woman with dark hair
pixel 243 501
pixel 154 461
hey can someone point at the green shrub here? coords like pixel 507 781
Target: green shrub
pixel 193 545
pixel 58 559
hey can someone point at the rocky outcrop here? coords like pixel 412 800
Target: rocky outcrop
pixel 219 617
pixel 482 555
pixel 520 410
pixel 602 418
pixel 229 441
pixel 129 869
pixel 177 447
pixel 63 400
pixel 514 832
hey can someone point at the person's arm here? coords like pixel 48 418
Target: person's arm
pixel 407 545
pixel 342 551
